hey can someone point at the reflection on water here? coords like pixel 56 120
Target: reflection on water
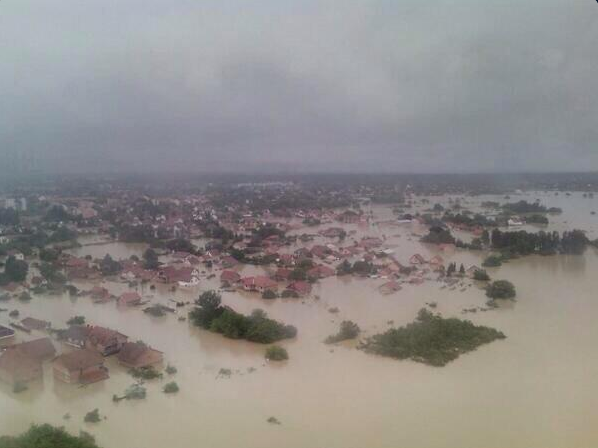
pixel 536 388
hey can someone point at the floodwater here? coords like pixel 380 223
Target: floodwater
pixel 537 388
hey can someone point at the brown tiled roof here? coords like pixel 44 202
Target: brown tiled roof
pixel 80 359
pixel 101 335
pixel 17 363
pixel 38 349
pixel 229 276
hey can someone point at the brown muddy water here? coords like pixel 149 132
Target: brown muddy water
pixel 537 388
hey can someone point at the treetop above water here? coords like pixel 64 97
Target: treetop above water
pixel 431 339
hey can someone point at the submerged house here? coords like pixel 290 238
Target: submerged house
pixel 320 271
pixel 259 284
pixel 390 287
pixel 348 217
pixel 417 259
pixel 99 294
pixel 170 274
pixel 105 341
pixel 470 271
pixel 39 349
pixel 138 354
pixel 301 288
pixel 16 367
pixel 80 366
pixel 229 277
pixel 282 274
pixel 436 260
pixel 102 340
pixel 130 298
pixel 22 363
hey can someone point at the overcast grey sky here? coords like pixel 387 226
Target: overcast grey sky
pixel 401 85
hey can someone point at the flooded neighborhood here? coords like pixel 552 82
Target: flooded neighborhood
pixel 106 318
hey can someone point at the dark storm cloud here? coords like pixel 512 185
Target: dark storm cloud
pixel 331 85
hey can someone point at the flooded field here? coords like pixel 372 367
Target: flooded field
pixel 537 388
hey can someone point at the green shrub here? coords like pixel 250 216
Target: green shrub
pixel 19 387
pixel 92 416
pixel 171 388
pixel 76 320
pixel 431 339
pixel 289 294
pixel 501 289
pixel 25 296
pixel 145 373
pixel 348 330
pixel 269 294
pixel 492 261
pixel 481 275
pixel 276 353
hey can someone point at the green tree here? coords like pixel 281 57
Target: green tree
pixel 150 259
pixel 46 436
pixel 208 308
pixel 481 275
pixel 501 289
pixel 181 245
pixel 276 353
pixel 16 270
pixel 299 273
pixel 344 268
pixel 348 330
pixel 49 255
pixel 108 266
pixel 492 261
pixel 269 294
pixel 450 270
pixel 171 388
pixel 51 274
pixel 231 324
pixel 485 237
pixel 57 214
pixel 76 320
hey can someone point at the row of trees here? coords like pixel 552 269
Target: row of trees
pixel 257 327
pixel 543 243
pixel 452 269
pixel 25 243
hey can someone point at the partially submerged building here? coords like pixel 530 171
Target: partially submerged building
pixel 138 354
pixel 80 367
pixel 22 363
